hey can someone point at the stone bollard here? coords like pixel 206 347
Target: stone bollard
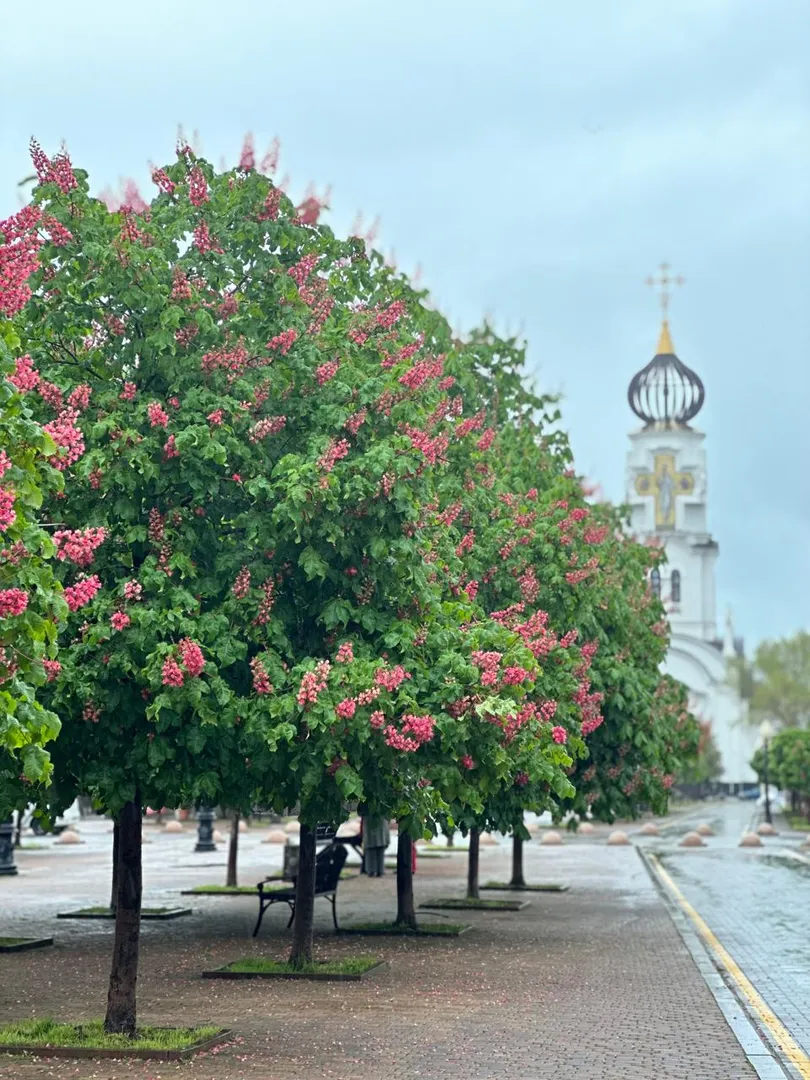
pixel 766 830
pixel 649 828
pixel 586 828
pixel 69 837
pixel 551 838
pixel 805 845
pixel 704 830
pixel 486 839
pixel 218 837
pixel 692 839
pixel 276 836
pixel 243 825
pixel 618 838
pixel 750 839
pixel 173 826
pixel 292 828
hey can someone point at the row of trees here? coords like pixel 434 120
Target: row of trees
pixel 308 547
pixel 787 766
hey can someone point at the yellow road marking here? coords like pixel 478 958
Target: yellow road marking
pixel 779 1033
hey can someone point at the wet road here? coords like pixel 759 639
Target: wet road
pixel 756 903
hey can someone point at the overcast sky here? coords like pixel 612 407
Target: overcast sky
pixel 538 160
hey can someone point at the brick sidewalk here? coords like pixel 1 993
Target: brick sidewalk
pixel 594 984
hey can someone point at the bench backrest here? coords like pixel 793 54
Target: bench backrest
pixel 328 865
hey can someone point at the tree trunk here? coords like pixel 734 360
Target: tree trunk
pixel 121 1007
pixel 18 829
pixel 472 867
pixel 233 851
pixel 450 836
pixel 301 952
pixel 115 857
pixel 406 910
pixel 518 881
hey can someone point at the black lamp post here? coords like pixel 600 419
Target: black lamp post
pixel 205 830
pixel 7 864
pixel 766 731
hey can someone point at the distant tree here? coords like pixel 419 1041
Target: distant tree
pixel 776 682
pixel 708 765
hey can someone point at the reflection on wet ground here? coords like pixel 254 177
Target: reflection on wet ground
pixel 755 901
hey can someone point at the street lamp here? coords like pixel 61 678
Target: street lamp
pixel 7 865
pixel 766 731
pixel 205 830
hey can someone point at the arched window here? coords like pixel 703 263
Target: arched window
pixel 675 586
pixel 655 582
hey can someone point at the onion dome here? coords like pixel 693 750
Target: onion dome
pixel 666 392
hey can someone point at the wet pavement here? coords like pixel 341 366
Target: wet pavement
pixel 595 982
pixel 755 901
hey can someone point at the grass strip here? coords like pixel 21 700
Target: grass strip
pixel 430 929
pixel 348 965
pixel 39 1034
pixel 504 886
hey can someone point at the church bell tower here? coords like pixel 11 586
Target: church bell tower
pixel 666 480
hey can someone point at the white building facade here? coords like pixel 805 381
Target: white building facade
pixel 667 492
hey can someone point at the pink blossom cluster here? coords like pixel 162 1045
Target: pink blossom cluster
pixel 25 376
pixel 12 602
pixel 559 735
pixel 345 653
pixel 398 741
pixel 91 712
pixel 473 423
pixel 432 447
pixel 129 392
pixel 216 417
pixel 120 620
pixel 515 675
pixel 488 663
pixel 595 534
pixel 158 417
pixel 548 710
pixel 377 720
pixel 327 371
pixel 284 341
pixel 161 178
pixel 7 512
pixel 390 678
pixel 486 439
pixel 266 603
pixel 19 255
pixel 172 673
pixel 529 585
pixel 133 590
pixel 303 268
pixel 67 437
pixel 313 683
pixel 521 779
pixel 391 315
pixel 272 202
pixel 52 669
pixel 170 449
pixel 270 425
pixel 471 589
pixel 431 368
pixel 346 708
pixel 59 235
pixel 335 451
pixel 241 587
pixel 197 186
pixel 57 170
pixel 466 762
pixel 79 397
pixel 82 592
pixel 466 543
pixel 51 394
pixel 356 420
pixel 261 680
pixel 78 545
pixel 365 697
pixel 191 656
pixel 416 730
pixel 203 240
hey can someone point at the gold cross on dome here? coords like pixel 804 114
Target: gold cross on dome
pixel 663 282
pixel 665 483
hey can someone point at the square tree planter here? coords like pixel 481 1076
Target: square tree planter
pixel 504 886
pixel 156 914
pixel 9 944
pixel 228 972
pixel 123 1052
pixel 463 904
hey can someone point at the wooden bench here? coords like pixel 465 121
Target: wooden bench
pixel 328 865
